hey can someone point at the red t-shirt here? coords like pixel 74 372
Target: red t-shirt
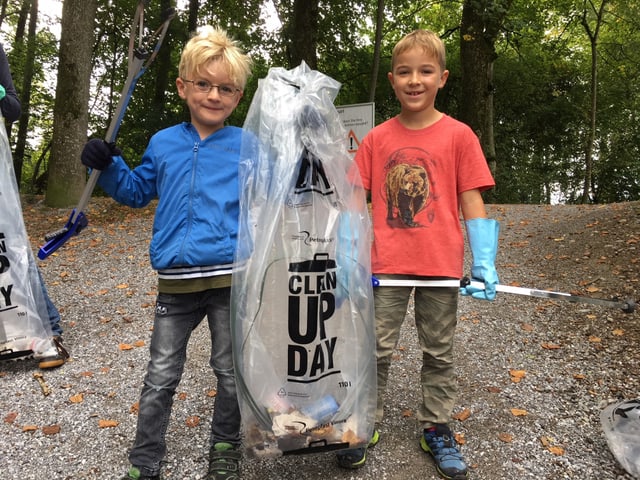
pixel 415 177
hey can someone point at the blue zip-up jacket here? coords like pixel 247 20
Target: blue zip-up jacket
pixel 196 182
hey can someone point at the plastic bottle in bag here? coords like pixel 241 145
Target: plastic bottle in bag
pixel 322 409
pixel 621 425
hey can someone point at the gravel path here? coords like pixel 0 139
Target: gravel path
pixel 574 358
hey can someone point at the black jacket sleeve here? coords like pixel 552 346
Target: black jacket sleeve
pixel 10 104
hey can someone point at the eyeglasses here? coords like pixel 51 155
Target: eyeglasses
pixel 204 86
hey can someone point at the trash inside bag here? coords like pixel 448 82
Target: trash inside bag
pixel 621 425
pixel 302 310
pixel 24 323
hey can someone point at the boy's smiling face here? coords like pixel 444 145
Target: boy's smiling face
pixel 209 110
pixel 416 79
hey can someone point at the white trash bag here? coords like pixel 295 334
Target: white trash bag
pixel 24 322
pixel 302 320
pixel 621 425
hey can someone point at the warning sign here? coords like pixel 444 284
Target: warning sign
pixel 357 119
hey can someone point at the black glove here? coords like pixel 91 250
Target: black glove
pixel 98 154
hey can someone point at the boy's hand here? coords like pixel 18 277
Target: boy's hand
pixel 99 154
pixel 483 240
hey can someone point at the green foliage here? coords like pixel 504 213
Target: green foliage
pixel 540 84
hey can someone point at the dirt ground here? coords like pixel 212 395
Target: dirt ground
pixel 533 373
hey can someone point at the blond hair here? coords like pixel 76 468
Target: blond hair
pixel 213 44
pixel 429 41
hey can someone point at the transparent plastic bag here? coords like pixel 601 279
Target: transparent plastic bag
pixel 303 327
pixel 621 426
pixel 24 323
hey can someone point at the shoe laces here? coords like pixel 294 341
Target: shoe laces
pixel 442 444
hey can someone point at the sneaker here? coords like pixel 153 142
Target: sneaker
pixel 356 457
pixel 439 442
pixel 224 462
pixel 134 474
pixel 55 356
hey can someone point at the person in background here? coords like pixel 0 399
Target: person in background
pixel 9 101
pixel 11 109
pixel 421 169
pixel 192 168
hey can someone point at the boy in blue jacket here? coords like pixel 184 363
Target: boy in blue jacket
pixel 192 168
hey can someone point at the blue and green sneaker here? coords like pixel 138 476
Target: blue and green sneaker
pixel 439 442
pixel 356 457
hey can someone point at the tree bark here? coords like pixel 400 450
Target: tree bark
pixel 302 34
pixel 593 92
pixel 375 68
pixel 25 94
pixel 478 33
pixel 67 176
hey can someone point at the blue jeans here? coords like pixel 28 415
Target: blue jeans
pixel 177 315
pixel 52 311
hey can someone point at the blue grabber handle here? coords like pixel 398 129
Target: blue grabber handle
pixel 55 240
pixel 139 59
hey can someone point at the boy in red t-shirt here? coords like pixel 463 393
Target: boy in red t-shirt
pixel 421 169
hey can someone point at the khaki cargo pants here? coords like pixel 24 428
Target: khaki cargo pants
pixel 435 320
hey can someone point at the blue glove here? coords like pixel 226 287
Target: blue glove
pixel 483 240
pixel 99 154
pixel 3 92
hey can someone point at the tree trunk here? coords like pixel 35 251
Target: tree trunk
pixel 162 81
pixel 591 135
pixel 302 35
pixel 192 21
pixel 478 33
pixel 25 94
pixel 375 68
pixel 67 176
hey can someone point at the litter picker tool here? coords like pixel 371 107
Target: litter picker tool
pixel 627 306
pixel 139 59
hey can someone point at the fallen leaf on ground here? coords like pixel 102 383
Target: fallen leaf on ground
pixel 517 375
pixel 463 415
pixel 556 450
pixel 107 423
pixel 77 398
pixel 518 412
pixel 192 421
pixel 51 429
pixel 505 437
pixel 10 417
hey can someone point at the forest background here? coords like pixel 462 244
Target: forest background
pixel 549 86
